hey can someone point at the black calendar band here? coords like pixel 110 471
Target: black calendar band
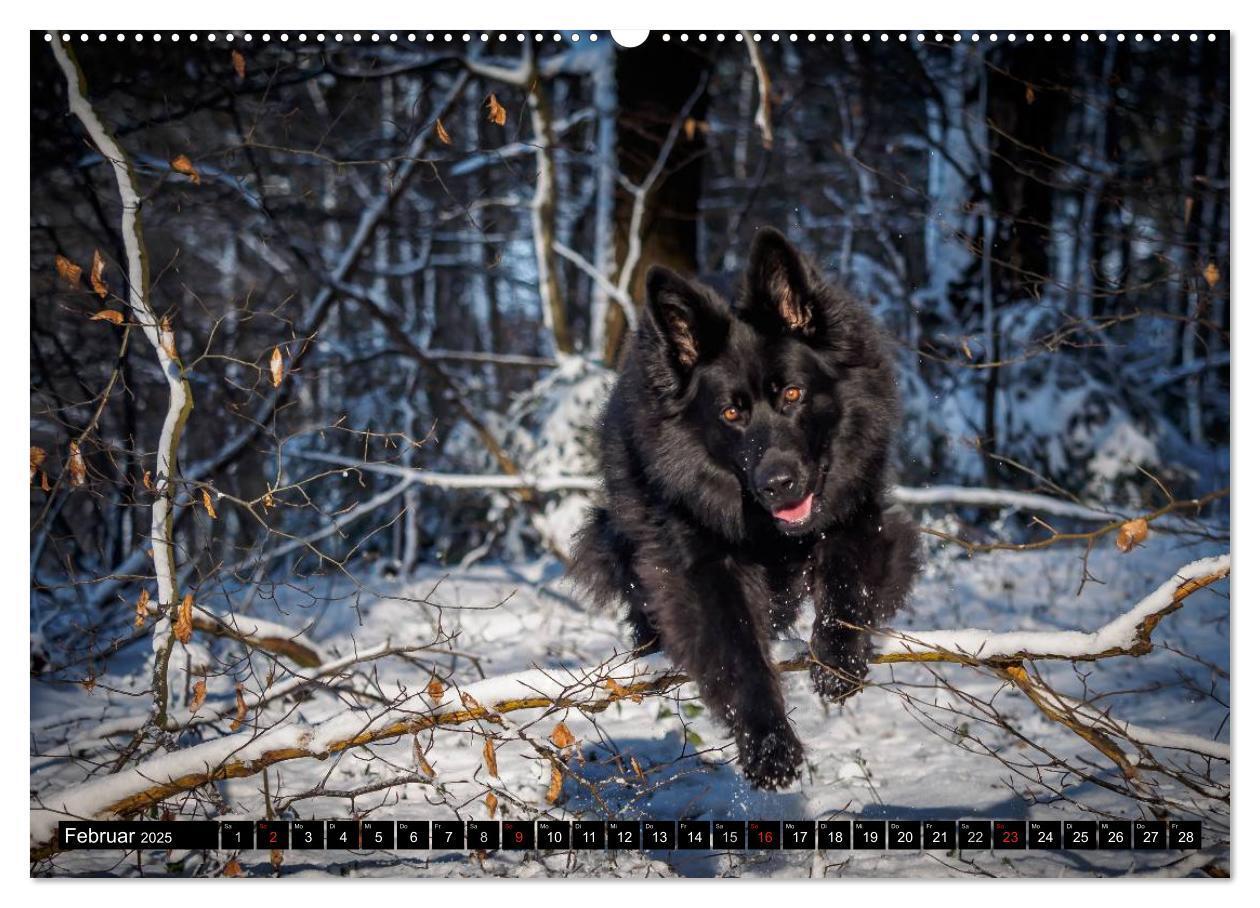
pixel 633 835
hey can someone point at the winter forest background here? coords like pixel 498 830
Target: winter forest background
pixel 392 278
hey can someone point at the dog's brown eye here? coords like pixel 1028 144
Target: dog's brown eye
pixel 792 394
pixel 731 414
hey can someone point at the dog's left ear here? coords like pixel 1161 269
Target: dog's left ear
pixel 779 282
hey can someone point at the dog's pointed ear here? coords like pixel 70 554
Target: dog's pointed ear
pixel 684 317
pixel 779 281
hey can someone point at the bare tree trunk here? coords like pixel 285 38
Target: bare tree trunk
pixel 605 80
pixel 655 82
pixel 543 217
pixel 179 402
pixel 1097 131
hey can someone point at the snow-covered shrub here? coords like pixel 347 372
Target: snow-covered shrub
pixel 548 431
pixel 552 433
pixel 1073 420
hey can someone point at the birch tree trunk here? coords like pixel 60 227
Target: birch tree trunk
pixel 162 339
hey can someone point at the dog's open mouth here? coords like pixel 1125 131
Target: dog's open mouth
pixel 797 513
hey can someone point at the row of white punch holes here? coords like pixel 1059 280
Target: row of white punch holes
pixel 446 37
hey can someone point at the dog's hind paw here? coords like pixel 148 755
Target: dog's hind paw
pixel 835 685
pixel 771 760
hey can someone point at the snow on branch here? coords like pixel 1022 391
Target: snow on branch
pixel 592 689
pixel 462 480
pixel 916 497
pixel 1128 635
pixel 1000 498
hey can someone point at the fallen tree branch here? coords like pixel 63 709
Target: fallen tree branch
pixel 1128 635
pixel 260 634
pixel 592 689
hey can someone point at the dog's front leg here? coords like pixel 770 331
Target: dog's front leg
pixel 714 623
pixel 862 578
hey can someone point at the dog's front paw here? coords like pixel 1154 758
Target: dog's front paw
pixel 840 666
pixel 836 684
pixel 770 759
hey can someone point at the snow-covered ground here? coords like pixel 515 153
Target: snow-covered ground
pixel 896 751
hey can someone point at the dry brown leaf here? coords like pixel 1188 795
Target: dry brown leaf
pixel 443 136
pixel 966 349
pixel 113 316
pixel 148 480
pixel 557 784
pixel 43 482
pixel 492 804
pixel 182 164
pixel 89 684
pixel 208 504
pixel 239 718
pixel 238 64
pixel 492 765
pixel 268 501
pixel 166 335
pixel 470 702
pixel 418 752
pixel 98 270
pixel 561 736
pixel 37 458
pixel 183 620
pixel 498 113
pixel 689 129
pixel 233 868
pixel 69 271
pixel 277 367
pixel 1211 274
pixel 198 696
pixel 277 859
pixel 1029 94
pixel 435 690
pixel 1131 534
pixel 76 466
pixel 638 770
pixel 142 608
pixel 620 692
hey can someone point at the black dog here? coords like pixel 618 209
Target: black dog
pixel 744 454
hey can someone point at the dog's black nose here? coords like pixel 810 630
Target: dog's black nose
pixel 779 484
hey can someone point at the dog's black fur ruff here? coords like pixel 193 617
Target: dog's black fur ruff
pixel 723 417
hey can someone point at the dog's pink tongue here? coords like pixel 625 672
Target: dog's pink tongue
pixel 797 512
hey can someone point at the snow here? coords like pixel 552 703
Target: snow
pixel 867 759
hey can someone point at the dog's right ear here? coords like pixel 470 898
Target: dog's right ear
pixel 683 317
pixel 779 282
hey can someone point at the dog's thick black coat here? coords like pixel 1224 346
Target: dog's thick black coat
pixel 744 453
